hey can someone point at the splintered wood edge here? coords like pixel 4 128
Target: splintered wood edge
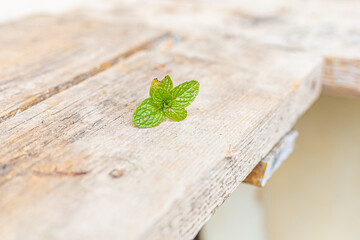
pixel 269 164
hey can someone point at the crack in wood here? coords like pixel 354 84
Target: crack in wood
pixel 41 96
pixel 57 173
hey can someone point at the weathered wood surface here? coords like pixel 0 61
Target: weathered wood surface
pixel 269 164
pixel 44 55
pixel 76 163
pixel 72 165
pixel 329 28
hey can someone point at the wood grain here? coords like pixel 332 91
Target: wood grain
pixel 328 28
pixel 43 55
pixel 273 160
pixel 72 160
pixel 58 158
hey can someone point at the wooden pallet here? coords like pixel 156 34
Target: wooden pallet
pixel 73 165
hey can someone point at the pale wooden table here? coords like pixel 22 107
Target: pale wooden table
pixel 72 164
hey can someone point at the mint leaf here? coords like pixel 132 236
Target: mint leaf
pixel 148 114
pixel 166 84
pixel 185 93
pixel 165 101
pixel 175 112
pixel 161 96
pixel 154 84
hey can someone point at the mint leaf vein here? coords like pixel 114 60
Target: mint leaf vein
pixel 165 100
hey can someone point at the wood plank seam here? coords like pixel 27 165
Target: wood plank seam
pixel 41 96
pixel 269 164
pixel 186 212
pixel 94 135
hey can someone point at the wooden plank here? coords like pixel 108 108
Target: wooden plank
pixel 79 149
pixel 44 55
pixel 77 164
pixel 342 76
pixel 325 27
pixel 329 28
pixel 269 164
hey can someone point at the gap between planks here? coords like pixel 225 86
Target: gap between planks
pixel 268 109
pixel 41 96
pixel 181 188
pixel 269 164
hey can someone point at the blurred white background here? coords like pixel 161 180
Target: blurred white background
pixel 14 9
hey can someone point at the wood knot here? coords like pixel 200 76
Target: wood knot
pixel 116 173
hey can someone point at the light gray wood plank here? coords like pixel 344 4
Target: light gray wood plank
pixel 43 55
pixel 57 157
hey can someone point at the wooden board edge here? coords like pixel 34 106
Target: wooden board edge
pixel 269 164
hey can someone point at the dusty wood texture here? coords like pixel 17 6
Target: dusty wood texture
pixel 42 55
pixel 329 28
pixel 269 164
pixel 76 163
pixel 326 27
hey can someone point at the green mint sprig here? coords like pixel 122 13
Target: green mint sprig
pixel 165 101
